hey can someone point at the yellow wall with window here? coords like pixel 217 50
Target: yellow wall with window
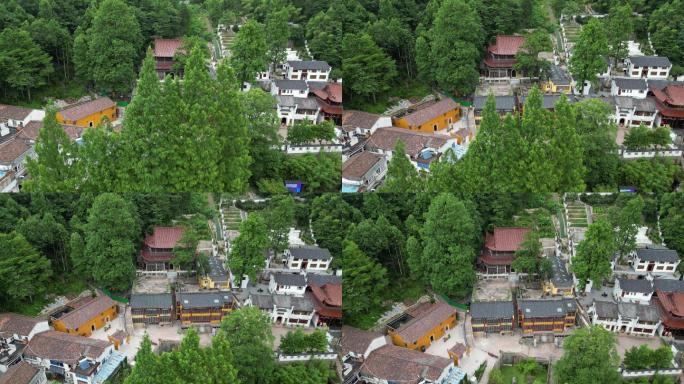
pixel 424 341
pixel 86 329
pixel 91 120
pixel 440 122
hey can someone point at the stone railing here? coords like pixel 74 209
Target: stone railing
pixel 306 357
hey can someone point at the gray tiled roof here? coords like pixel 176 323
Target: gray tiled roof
pixel 634 310
pixel 310 253
pixel 547 308
pixel 266 301
pixel 217 271
pixel 492 310
pixel 321 279
pixel 669 285
pixel 549 101
pixel 293 279
pixel 644 105
pixel 503 103
pixel 308 103
pixel 204 299
pixel 658 254
pixel 650 61
pixel 559 76
pixel 607 309
pixel 291 84
pixel 630 83
pixel 285 100
pixel 151 300
pixel 309 64
pixel 636 285
pixel 561 277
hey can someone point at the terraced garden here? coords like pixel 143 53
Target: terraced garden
pixel 577 214
pixel 232 218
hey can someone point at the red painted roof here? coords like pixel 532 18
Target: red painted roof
pixel 671 94
pixel 505 239
pixel 330 294
pixel 331 92
pixel 507 45
pixel 164 237
pixel 166 47
pixel 672 302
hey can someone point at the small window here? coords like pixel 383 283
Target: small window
pixel 434 127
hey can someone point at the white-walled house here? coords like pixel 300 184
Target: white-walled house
pixel 654 260
pixel 631 112
pixel 422 149
pixel 356 124
pixel 287 284
pixel 359 344
pixel 79 359
pixel 630 318
pixel 648 67
pixel 633 290
pixel 15 331
pixel 17 117
pixel 284 309
pixel 308 70
pixel 307 258
pixel 296 88
pixel 292 109
pixel 363 171
pixel 631 87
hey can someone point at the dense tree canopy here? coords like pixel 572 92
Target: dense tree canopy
pixel 590 356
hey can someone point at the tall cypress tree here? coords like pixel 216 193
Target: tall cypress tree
pixel 402 176
pixel 53 170
pixel 567 145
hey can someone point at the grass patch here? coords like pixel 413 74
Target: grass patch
pixel 56 90
pixel 399 289
pixel 62 285
pixel 404 89
pixel 509 372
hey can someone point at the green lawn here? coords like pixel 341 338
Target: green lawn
pixel 406 89
pixel 57 90
pixel 400 289
pixel 511 371
pixel 69 285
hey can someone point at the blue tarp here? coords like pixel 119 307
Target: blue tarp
pixel 109 367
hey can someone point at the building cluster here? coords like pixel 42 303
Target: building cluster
pixel 61 344
pixel 19 129
pixel 399 355
pixel 646 298
pixel 428 130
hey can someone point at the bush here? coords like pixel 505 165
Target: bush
pixel 496 377
pixel 598 199
pixel 296 342
pixel 642 357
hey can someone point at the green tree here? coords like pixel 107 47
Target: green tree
pixel 443 256
pixel 52 170
pixel 111 241
pixel 23 64
pixel 568 148
pixel 527 258
pixel 362 282
pixel 527 59
pixel 279 219
pixel 597 133
pixel 24 273
pixel 48 236
pixel 401 176
pixel 368 70
pixel 331 217
pixel 262 127
pixel 594 253
pixel 249 52
pixel 666 27
pixel 278 33
pixel 587 59
pixel 248 333
pixel 626 221
pixel 55 40
pixel 114 42
pixel 619 27
pixel 247 252
pixel 590 356
pixel 455 45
